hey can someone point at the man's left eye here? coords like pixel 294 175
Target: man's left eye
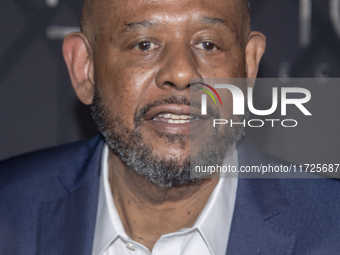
pixel 145 46
pixel 207 46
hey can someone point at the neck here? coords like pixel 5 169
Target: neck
pixel 147 211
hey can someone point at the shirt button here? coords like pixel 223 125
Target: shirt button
pixel 130 246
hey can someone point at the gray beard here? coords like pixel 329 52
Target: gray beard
pixel 140 157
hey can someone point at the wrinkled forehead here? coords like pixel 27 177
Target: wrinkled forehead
pixel 114 14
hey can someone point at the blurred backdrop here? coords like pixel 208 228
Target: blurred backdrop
pixel 39 109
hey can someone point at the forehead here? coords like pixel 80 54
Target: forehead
pixel 118 13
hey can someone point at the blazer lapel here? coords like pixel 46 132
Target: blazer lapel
pixel 67 223
pixel 257 201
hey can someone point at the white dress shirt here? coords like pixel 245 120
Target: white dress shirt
pixel 208 236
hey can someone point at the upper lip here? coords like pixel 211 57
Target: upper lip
pixel 174 109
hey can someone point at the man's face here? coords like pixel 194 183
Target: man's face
pixel 145 53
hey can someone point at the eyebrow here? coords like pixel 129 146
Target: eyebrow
pixel 135 26
pixel 148 24
pixel 214 21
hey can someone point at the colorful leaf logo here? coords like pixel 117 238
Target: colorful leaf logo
pixel 212 89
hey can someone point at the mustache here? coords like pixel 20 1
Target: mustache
pixel 179 100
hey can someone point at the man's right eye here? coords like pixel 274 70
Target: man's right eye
pixel 145 46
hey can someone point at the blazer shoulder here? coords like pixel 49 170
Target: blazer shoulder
pixel 315 190
pixel 41 166
pixel 44 192
pixel 39 158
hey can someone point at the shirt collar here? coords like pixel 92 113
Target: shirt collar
pixel 213 222
pixel 215 219
pixel 108 224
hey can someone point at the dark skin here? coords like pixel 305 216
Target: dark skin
pixel 166 44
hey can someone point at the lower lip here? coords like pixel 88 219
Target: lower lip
pixel 165 127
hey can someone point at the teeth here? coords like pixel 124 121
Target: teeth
pixel 175 119
pixel 183 121
pixel 184 117
pixel 178 121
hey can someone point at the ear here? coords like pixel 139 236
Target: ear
pixel 254 50
pixel 79 60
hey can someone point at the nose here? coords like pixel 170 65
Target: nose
pixel 178 67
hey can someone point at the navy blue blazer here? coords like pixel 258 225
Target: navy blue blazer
pixel 48 205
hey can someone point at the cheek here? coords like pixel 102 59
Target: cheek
pixel 229 65
pixel 234 62
pixel 123 88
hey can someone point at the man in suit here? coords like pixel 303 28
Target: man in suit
pixel 130 191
